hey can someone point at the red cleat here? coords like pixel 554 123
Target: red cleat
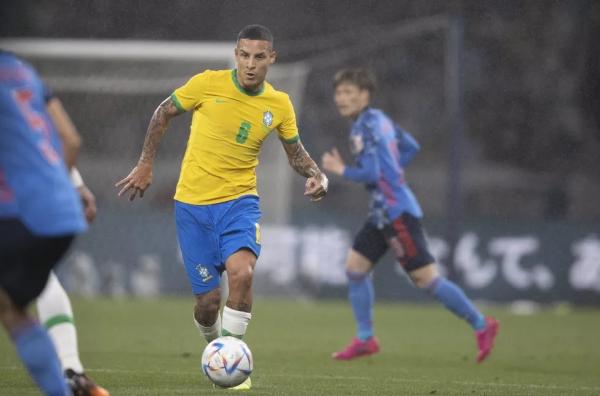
pixel 486 338
pixel 358 348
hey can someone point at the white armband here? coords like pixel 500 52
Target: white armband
pixel 76 178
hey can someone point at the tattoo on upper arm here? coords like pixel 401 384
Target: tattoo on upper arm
pixel 157 127
pixel 300 159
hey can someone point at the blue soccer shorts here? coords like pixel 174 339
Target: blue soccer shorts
pixel 209 234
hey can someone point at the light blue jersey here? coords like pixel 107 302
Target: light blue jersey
pixel 34 182
pixel 382 150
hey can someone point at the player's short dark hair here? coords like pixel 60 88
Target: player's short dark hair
pixel 359 76
pixel 255 32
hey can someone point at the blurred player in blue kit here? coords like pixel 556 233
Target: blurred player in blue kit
pixel 53 305
pixel 382 150
pixel 40 214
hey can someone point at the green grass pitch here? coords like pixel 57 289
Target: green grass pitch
pixel 150 347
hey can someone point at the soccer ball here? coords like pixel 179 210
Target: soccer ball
pixel 227 361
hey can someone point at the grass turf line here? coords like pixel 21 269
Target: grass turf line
pixel 150 347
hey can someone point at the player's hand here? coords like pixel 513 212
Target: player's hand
pixel 316 187
pixel 137 181
pixel 332 161
pixel 89 203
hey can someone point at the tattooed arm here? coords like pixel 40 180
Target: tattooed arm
pixel 300 161
pixel 140 177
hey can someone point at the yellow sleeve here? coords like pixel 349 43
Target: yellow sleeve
pixel 191 94
pixel 288 130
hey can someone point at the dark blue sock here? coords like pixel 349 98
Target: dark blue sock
pixel 39 356
pixel 362 297
pixel 456 301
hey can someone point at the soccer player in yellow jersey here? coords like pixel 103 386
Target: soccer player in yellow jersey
pixel 216 201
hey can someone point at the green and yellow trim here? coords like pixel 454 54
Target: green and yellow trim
pixel 244 90
pixel 177 103
pixel 58 319
pixel 291 140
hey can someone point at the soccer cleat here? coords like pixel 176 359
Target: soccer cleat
pixel 358 348
pixel 486 338
pixel 246 385
pixel 82 385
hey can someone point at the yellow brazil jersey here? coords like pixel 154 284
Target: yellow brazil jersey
pixel 228 128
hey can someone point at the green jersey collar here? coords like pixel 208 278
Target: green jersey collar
pixel 242 89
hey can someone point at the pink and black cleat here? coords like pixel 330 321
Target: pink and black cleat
pixel 486 338
pixel 358 348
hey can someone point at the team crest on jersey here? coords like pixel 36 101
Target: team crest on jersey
pixel 203 272
pixel 267 118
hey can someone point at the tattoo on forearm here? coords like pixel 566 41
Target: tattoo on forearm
pixel 156 129
pixel 300 159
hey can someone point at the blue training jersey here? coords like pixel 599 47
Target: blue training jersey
pixel 34 183
pixel 382 150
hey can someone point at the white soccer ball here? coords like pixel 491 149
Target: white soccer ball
pixel 227 361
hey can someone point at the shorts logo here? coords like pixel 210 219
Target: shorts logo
pixel 267 118
pixel 203 272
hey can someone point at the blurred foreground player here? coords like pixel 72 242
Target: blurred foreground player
pixel 382 150
pixel 216 202
pixel 53 305
pixel 40 214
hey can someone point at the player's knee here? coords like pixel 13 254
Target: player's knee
pixel 11 316
pixel 241 276
pixel 357 263
pixel 421 283
pixel 356 276
pixel 424 276
pixel 353 267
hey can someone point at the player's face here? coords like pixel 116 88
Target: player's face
pixel 350 99
pixel 253 58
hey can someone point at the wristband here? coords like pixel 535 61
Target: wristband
pixel 76 178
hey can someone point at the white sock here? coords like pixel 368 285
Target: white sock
pixel 56 314
pixel 210 332
pixel 235 322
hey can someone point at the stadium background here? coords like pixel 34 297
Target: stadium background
pixel 508 174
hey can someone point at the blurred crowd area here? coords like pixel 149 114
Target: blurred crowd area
pixel 531 80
